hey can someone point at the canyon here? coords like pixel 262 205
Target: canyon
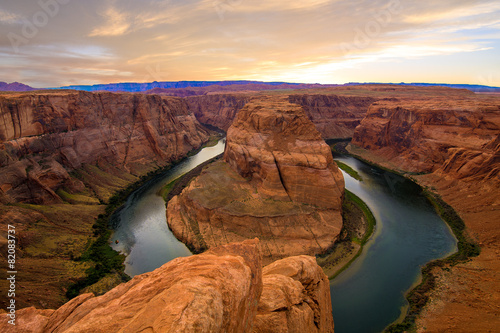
pixel 335 116
pixel 224 289
pixel 277 182
pixel 450 145
pixel 45 136
pixel 64 153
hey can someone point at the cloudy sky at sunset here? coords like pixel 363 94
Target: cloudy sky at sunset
pixel 49 43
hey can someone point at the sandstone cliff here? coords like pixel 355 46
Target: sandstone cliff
pixel 278 183
pixel 274 144
pixel 449 142
pixel 60 147
pixel 222 290
pixel 46 135
pixel 456 138
pixel 335 116
pixel 218 110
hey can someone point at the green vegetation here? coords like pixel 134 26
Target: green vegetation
pixel 358 226
pixel 350 171
pixel 106 261
pixel 79 198
pixel 165 190
pixel 370 219
pixel 467 248
pixel 353 199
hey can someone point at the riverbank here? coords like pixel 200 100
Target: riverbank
pixel 358 226
pixel 105 265
pixel 358 222
pixel 433 288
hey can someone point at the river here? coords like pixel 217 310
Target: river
pixel 367 296
pixel 141 225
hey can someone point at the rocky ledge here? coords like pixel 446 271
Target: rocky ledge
pixel 223 290
pixel 278 182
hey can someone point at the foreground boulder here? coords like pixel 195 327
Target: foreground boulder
pixel 295 298
pixel 278 182
pixel 218 291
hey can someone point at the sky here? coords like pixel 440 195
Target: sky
pixel 52 43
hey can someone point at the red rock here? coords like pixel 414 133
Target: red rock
pixel 46 135
pixel 457 138
pixel 278 183
pixel 217 291
pixel 334 116
pixel 273 143
pixel 451 139
pixel 295 298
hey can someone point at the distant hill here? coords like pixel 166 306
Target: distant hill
pixel 15 86
pixel 143 87
pixel 216 88
pixel 191 88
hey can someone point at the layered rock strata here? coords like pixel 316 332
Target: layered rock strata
pixel 222 290
pixel 218 110
pixel 277 182
pixel 335 116
pixel 451 146
pixel 63 154
pixel 44 136
pixel 456 138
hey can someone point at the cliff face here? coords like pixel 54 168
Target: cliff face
pixel 45 136
pixel 453 141
pixel 334 116
pixel 278 183
pixel 60 147
pixel 218 110
pixel 222 290
pixel 458 139
pixel 274 144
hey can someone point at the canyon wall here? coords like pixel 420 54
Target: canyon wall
pixel 334 116
pixel 218 110
pixel 46 136
pixel 450 144
pixel 278 182
pixel 63 154
pixel 459 139
pixel 222 290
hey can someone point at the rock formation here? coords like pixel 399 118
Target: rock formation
pixel 222 290
pixel 295 298
pixel 46 135
pixel 335 116
pixel 218 110
pixel 278 182
pixel 449 142
pixel 458 138
pixel 60 147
